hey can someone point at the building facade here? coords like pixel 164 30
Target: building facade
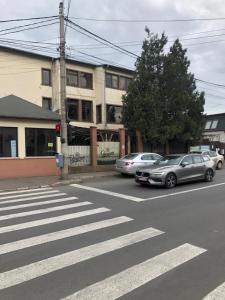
pixel 214 132
pixel 93 99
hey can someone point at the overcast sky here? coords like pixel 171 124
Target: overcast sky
pixel 204 40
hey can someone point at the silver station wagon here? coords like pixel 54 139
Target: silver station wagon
pixel 177 168
pixel 131 162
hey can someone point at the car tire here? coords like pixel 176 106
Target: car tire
pixel 170 181
pixel 209 175
pixel 219 165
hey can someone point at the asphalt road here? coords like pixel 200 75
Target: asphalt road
pixel 110 238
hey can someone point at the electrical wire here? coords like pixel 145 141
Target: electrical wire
pixel 211 83
pixel 27 19
pixel 30 28
pixel 149 20
pixel 103 39
pixel 26 25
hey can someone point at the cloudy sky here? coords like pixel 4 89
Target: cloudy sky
pixel 123 22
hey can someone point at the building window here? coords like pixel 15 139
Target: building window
pixel 114 114
pixel 86 111
pixel 79 110
pixel 108 80
pixel 211 124
pixel 85 80
pixel 78 136
pixel 73 109
pixel 98 113
pixel 71 77
pixel 79 79
pixel 46 76
pixel 117 82
pixel 47 103
pixel 214 124
pixel 40 142
pixel 8 142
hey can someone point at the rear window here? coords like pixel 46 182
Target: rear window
pixel 130 156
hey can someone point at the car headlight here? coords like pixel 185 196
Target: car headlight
pixel 158 173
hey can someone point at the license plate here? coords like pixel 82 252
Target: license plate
pixel 143 178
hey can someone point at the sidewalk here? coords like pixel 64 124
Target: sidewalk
pixel 37 182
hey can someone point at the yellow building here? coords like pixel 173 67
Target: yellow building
pixel 93 93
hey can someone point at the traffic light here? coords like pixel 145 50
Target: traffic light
pixel 58 129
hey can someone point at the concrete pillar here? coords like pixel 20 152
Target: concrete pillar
pixel 93 146
pixel 122 141
pixel 128 145
pixel 139 141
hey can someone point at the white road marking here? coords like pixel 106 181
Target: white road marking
pixel 29 194
pixel 33 198
pixel 46 221
pixel 88 188
pixel 126 281
pixel 217 294
pixel 25 191
pixel 138 199
pixel 54 236
pixel 43 211
pixel 58 262
pixel 37 203
pixel 185 191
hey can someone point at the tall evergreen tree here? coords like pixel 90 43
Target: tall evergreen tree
pixel 162 101
pixel 183 105
pixel 141 108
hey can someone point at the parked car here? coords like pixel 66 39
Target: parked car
pixel 177 168
pixel 216 157
pixel 131 162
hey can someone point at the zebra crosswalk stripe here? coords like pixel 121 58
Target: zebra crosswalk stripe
pixel 29 194
pixel 58 262
pixel 54 236
pixel 25 191
pixel 44 210
pixel 217 294
pixel 126 281
pixel 37 203
pixel 51 220
pixel 33 198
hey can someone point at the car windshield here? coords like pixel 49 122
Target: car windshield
pixel 130 156
pixel 169 160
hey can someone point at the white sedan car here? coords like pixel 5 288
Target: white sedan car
pixel 131 162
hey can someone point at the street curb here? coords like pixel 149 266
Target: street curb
pixel 59 182
pixel 55 184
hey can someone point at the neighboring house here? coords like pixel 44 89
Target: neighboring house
pixel 214 132
pixel 93 95
pixel 27 139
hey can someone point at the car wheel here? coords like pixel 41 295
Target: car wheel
pixel 219 165
pixel 170 181
pixel 209 175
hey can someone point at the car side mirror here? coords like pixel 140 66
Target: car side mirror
pixel 184 164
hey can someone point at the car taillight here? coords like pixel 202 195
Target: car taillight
pixel 129 163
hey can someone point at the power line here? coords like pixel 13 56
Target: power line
pixel 30 28
pixel 103 39
pixel 102 59
pixel 211 83
pixel 26 25
pixel 27 19
pixel 107 45
pixel 28 41
pixel 149 20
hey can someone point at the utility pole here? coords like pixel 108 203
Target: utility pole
pixel 64 169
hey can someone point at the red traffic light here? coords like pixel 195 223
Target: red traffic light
pixel 58 129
